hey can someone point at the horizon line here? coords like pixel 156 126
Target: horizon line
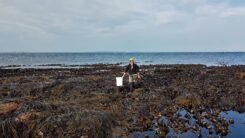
pixel 125 52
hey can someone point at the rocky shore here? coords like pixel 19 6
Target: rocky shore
pixel 85 102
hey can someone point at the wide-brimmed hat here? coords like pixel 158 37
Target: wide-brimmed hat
pixel 131 59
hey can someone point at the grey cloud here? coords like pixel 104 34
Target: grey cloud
pixel 54 23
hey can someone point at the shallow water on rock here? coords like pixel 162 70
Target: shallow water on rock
pixel 235 130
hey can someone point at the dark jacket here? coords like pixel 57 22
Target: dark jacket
pixel 133 70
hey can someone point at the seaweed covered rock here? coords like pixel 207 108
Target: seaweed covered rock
pixel 188 100
pixel 74 124
pixel 85 101
pixel 6 108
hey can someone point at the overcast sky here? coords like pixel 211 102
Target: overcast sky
pixel 122 25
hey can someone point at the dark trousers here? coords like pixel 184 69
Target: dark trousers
pixel 131 86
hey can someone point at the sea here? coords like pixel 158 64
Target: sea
pixel 29 60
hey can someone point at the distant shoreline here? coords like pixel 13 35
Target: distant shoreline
pixel 65 66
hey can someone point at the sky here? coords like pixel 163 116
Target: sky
pixel 122 25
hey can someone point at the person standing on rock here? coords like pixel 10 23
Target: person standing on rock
pixel 132 70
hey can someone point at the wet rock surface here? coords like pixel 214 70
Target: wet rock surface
pixel 84 102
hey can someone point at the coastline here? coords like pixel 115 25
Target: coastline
pixel 121 64
pixel 84 101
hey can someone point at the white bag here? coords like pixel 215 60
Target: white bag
pixel 119 81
